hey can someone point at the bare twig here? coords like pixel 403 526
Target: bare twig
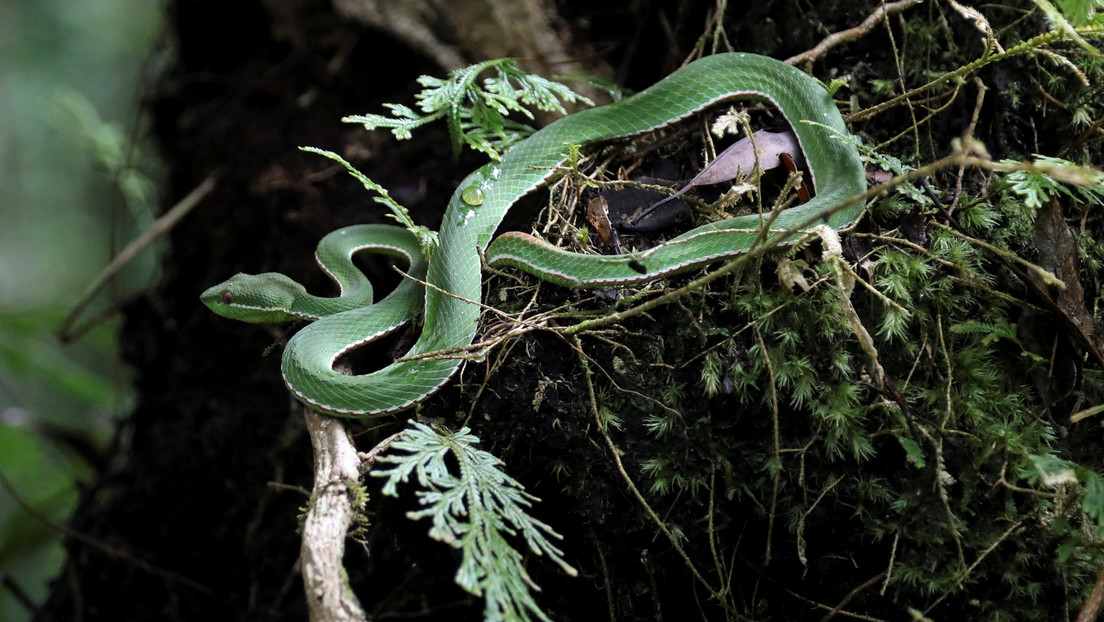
pixel 160 227
pixel 776 475
pixel 851 34
pixel 367 459
pixel 959 158
pixel 1024 47
pixel 970 133
pixel 616 455
pixel 18 592
pixel 846 599
pixel 104 548
pixel 966 574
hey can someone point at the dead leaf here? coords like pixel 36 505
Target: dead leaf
pixel 739 160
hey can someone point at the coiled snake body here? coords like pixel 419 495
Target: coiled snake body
pixel 479 205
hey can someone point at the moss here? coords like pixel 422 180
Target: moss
pixel 754 424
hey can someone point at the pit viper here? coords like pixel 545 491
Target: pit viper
pixel 450 305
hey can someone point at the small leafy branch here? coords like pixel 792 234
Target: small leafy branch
pixel 477 511
pixel 1054 177
pixel 426 237
pixel 477 115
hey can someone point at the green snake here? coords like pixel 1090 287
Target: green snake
pixel 450 304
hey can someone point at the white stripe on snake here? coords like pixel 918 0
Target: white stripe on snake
pixel 477 208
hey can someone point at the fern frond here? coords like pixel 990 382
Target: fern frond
pixel 479 511
pixel 477 115
pixel 427 238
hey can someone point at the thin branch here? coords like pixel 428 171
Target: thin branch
pixel 776 476
pixel 107 549
pixel 846 599
pixel 159 228
pixel 851 34
pixel 959 158
pixel 632 485
pixel 1022 48
pixel 962 578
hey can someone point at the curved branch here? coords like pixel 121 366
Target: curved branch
pixel 851 34
pixel 333 507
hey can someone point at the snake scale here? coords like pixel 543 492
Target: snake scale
pixel 477 208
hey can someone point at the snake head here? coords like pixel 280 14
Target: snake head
pixel 257 298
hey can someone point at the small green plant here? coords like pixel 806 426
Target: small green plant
pixel 1055 177
pixel 426 237
pixel 477 115
pixel 476 511
pixel 1078 12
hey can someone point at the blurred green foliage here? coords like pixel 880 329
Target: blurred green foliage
pixel 77 183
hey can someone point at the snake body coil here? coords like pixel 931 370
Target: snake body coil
pixel 450 308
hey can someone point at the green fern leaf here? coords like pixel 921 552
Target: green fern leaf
pixel 476 115
pixel 480 511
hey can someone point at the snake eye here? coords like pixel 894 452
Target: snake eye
pixel 227 299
